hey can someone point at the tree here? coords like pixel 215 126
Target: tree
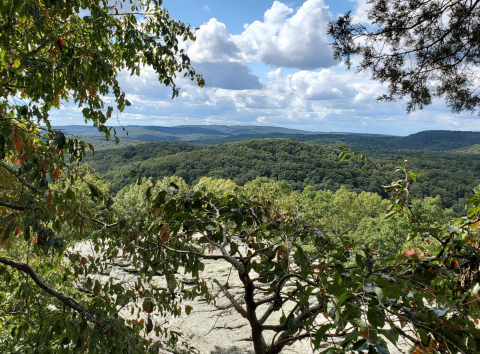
pixel 338 291
pixel 54 52
pixel 422 49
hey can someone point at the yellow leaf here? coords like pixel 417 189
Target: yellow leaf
pixel 165 232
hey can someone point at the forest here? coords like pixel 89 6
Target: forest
pixel 331 242
pixel 450 174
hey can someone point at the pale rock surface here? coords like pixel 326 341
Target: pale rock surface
pixel 214 328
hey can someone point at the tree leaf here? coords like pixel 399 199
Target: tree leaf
pixel 321 333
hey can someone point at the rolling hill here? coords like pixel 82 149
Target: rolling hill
pixel 433 140
pixel 298 163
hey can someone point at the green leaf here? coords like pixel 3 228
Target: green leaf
pixel 381 349
pixel 97 288
pixel 60 140
pixel 376 317
pixel 70 194
pixel 344 297
pixel 292 325
pixel 342 155
pixel 320 334
pixel 149 326
pixel 423 336
pixel 379 292
pixel 362 344
pixel 472 211
pixel 389 335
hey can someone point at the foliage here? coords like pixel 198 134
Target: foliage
pixel 330 286
pixel 42 307
pixel 298 163
pixel 106 160
pixel 54 52
pixel 422 48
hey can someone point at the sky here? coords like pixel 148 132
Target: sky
pixel 269 63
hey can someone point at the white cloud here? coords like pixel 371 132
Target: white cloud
pixel 298 41
pixel 323 85
pixel 360 15
pixel 319 101
pixel 213 44
pixel 206 8
pixel 281 40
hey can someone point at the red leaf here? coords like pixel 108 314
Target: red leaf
pixel 454 264
pixel 60 43
pixel 410 253
pixel 17 141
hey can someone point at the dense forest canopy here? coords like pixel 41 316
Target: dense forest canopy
pixel 444 174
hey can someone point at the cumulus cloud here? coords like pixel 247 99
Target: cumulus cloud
pixel 323 85
pixel 228 75
pixel 214 43
pixel 318 101
pixel 284 38
pixel 298 41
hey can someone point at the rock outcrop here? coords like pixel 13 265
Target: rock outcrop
pixel 211 328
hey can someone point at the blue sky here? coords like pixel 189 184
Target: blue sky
pixel 269 63
pixel 236 13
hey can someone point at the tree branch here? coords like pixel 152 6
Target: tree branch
pixel 22 181
pixel 13 206
pixel 25 268
pixel 198 254
pixel 234 303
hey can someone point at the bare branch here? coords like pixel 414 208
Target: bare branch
pixel 234 303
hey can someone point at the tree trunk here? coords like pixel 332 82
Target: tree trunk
pixel 259 344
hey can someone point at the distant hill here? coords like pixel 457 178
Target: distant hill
pixel 433 140
pixel 296 162
pixel 471 150
pixel 439 140
pixel 108 159
pixel 185 132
